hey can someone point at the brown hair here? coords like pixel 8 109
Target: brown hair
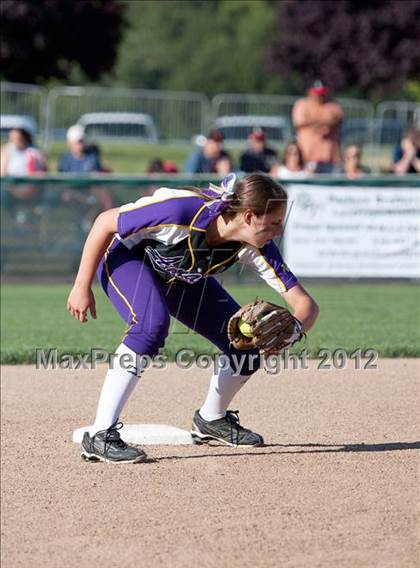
pixel 25 135
pixel 258 192
pixel 286 149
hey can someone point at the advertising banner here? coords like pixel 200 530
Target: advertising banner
pixel 353 231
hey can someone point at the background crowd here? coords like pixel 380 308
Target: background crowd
pixel 316 149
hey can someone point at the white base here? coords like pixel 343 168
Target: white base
pixel 146 434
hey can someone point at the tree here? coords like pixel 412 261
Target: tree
pixel 199 45
pixel 371 47
pixel 44 40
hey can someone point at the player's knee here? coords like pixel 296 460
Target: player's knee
pixel 148 339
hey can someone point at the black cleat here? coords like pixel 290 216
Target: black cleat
pixel 226 430
pixel 107 446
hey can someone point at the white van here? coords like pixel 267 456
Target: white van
pixel 125 127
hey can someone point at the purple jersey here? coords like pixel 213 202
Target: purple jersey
pixel 168 229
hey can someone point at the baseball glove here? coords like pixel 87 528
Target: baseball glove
pixel 269 327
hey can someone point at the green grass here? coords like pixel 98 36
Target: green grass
pixel 130 158
pixel 127 158
pixel 384 317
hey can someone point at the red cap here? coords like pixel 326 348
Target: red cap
pixel 318 89
pixel 169 167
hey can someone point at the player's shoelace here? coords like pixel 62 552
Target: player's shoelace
pixel 112 436
pixel 232 416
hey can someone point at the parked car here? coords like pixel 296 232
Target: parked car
pixel 127 127
pixel 236 129
pixel 9 121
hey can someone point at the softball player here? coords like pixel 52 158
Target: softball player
pixel 155 258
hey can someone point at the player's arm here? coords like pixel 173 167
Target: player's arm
pixel 81 297
pixel 304 307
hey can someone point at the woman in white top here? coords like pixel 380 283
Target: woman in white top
pixel 19 157
pixel 293 166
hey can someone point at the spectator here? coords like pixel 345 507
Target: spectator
pixel 224 166
pixel 407 154
pixel 82 159
pixel 19 157
pixel 317 122
pixel 259 157
pixel 79 158
pixel 157 166
pixel 292 166
pixel 203 160
pixel 352 162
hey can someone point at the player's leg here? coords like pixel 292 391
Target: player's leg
pixel 206 308
pixel 139 299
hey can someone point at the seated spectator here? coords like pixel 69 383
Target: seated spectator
pixel 259 157
pixel 82 159
pixel 352 162
pixel 292 166
pixel 224 166
pixel 407 154
pixel 203 160
pixel 19 157
pixel 158 166
pixel 94 149
pixel 79 158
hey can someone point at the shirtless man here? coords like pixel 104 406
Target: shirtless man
pixel 317 122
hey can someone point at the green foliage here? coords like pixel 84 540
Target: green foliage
pixel 44 40
pixel 370 47
pixel 412 90
pixel 383 317
pixel 204 46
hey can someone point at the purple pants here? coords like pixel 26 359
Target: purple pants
pixel 145 303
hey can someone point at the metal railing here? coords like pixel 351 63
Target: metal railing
pixel 23 99
pixel 176 115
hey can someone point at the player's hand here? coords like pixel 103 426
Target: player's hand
pixel 81 300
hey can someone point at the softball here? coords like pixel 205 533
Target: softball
pixel 245 328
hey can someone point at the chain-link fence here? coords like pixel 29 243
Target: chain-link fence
pixel 124 114
pixel 45 220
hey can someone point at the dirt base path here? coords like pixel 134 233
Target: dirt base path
pixel 336 486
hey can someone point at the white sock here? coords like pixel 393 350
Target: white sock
pixel 118 385
pixel 223 387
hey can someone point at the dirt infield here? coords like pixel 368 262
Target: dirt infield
pixel 336 486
